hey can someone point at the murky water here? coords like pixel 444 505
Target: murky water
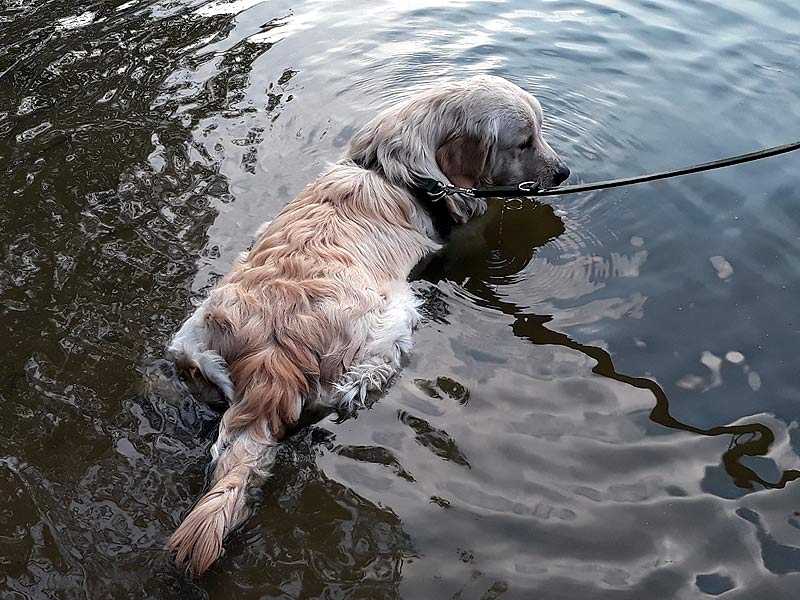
pixel 141 144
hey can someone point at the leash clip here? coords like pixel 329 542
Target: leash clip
pixel 433 189
pixel 436 190
pixel 454 189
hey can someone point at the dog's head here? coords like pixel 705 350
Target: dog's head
pixel 481 131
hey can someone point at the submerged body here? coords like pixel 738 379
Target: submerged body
pixel 317 315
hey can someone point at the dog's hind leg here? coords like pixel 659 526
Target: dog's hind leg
pixel 364 380
pixel 389 338
pixel 189 351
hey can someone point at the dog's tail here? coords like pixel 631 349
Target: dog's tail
pixel 239 457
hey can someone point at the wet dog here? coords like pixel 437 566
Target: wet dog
pixel 316 316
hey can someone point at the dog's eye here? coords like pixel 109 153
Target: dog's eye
pixel 526 144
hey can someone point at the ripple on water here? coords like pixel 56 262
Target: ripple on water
pixel 144 142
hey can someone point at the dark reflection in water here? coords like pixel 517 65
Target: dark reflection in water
pixel 534 225
pixel 323 540
pixel 143 142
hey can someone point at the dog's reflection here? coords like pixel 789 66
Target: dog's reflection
pixel 495 247
pixel 490 251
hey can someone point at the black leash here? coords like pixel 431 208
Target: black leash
pixel 436 190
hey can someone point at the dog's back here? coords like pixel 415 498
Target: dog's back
pixel 316 298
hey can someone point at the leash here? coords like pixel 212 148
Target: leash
pixel 436 190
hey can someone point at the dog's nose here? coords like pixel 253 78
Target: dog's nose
pixel 561 174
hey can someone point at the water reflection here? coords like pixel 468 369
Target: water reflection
pixel 510 249
pixel 315 536
pixel 143 141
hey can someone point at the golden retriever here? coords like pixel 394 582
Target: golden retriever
pixel 317 315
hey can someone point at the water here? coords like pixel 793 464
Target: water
pixel 141 145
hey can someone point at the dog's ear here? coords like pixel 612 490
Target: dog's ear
pixel 462 158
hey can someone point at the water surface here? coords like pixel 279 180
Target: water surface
pixel 603 401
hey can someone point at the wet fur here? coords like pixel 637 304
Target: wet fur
pixel 317 315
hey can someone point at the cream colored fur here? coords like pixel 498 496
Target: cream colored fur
pixel 319 312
